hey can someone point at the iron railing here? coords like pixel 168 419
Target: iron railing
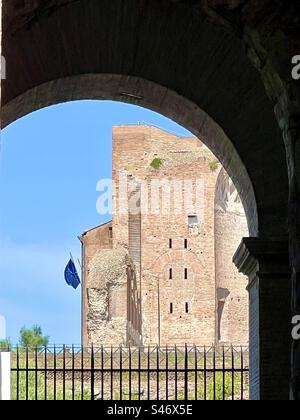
pixel 169 373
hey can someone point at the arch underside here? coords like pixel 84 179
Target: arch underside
pixel 168 58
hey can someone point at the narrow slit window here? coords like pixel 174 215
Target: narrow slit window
pixel 171 308
pixel 185 273
pixel 185 244
pixel 187 308
pixel 171 274
pixel 170 243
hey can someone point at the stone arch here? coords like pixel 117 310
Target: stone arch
pixel 178 69
pixel 114 87
pixel 175 46
pixel 175 255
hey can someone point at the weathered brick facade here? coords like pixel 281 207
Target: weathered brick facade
pixel 176 226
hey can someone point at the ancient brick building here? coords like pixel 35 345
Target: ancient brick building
pixel 161 271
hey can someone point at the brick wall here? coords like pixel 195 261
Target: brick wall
pixel 111 311
pixel 193 300
pixel 92 241
pixel 232 296
pixel 182 286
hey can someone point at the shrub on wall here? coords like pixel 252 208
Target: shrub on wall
pixel 213 166
pixel 156 163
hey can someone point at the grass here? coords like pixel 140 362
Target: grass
pixel 34 393
pixel 217 393
pixel 37 392
pixel 40 384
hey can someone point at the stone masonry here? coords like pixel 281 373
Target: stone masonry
pixel 161 271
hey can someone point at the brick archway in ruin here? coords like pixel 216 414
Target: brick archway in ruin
pixel 184 60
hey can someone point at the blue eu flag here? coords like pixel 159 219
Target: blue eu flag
pixel 71 275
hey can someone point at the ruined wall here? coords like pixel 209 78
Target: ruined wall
pixel 93 241
pixel 135 318
pixel 111 307
pixel 104 289
pixel 232 295
pixel 134 308
pixel 107 298
pixel 165 276
pixel 183 308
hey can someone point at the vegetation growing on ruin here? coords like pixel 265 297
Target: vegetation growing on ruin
pixel 213 166
pixel 156 163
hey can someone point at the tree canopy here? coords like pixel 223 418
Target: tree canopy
pixel 33 338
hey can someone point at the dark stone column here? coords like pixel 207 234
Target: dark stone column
pixel 266 263
pixel 270 32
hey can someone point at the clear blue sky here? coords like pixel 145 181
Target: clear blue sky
pixel 50 163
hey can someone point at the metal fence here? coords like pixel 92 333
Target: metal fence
pixel 173 373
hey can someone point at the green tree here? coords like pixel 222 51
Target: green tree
pixel 5 345
pixel 33 338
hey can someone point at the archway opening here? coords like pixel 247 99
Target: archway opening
pixel 177 45
pixel 208 127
